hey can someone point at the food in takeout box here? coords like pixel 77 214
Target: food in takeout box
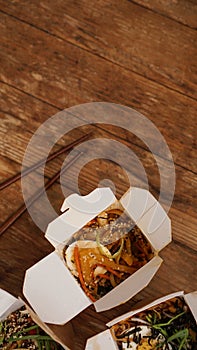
pixel 169 325
pixel 19 331
pixel 106 251
pixel 17 328
pixel 166 324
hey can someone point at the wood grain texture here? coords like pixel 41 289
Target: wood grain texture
pixel 182 11
pixel 153 46
pixel 139 53
pixel 43 79
pixel 20 135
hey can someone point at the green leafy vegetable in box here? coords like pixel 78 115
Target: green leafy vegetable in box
pixel 19 331
pixel 166 326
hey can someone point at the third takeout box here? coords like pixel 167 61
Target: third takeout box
pixel 51 289
pixel 108 340
pixel 17 319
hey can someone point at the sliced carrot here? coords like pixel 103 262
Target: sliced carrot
pixel 103 275
pixel 108 269
pixel 78 266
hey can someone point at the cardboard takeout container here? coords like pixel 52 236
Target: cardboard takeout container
pixel 51 289
pixel 9 304
pixel 104 340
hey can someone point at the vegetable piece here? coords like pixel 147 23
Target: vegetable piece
pixel 114 211
pixel 112 280
pixel 104 275
pixel 105 251
pixel 78 266
pixel 127 252
pixel 102 248
pixel 108 269
pixel 119 251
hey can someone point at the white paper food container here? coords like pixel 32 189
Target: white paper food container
pixel 49 286
pixel 9 304
pixel 104 340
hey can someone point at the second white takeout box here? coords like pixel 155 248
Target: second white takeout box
pixel 51 289
pixel 104 340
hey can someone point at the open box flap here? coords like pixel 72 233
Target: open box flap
pixel 149 216
pixel 61 334
pixel 64 226
pixel 137 201
pixel 191 300
pixel 130 287
pixel 52 291
pixel 8 304
pixel 156 226
pixel 81 209
pixel 92 203
pixel 154 303
pixel 101 341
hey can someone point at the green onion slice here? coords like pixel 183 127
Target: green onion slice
pixel 106 251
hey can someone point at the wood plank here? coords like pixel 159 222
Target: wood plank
pixel 20 249
pixel 44 80
pixel 183 216
pixel 182 11
pixel 15 101
pixel 173 63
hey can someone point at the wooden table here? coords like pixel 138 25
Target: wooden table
pixel 141 54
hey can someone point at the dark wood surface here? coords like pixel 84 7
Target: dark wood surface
pixel 141 54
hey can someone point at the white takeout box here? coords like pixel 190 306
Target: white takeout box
pixel 104 340
pixel 51 289
pixel 9 304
